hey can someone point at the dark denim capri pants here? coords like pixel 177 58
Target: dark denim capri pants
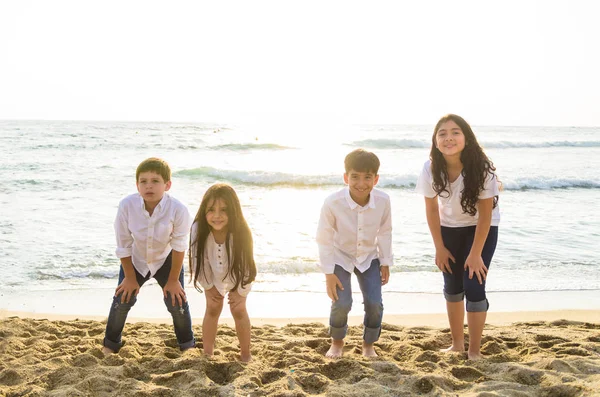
pixel 458 240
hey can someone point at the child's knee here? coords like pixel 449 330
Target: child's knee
pixel 239 312
pixel 342 306
pixel 373 307
pixel 476 297
pixel 123 306
pixel 214 308
pixel 177 310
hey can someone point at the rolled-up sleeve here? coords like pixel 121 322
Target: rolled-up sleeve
pixel 181 230
pixel 384 237
pixel 325 236
pixel 122 233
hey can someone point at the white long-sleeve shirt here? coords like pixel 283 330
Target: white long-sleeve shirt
pixel 150 239
pixel 216 262
pixel 352 236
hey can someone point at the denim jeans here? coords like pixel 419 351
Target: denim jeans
pixel 370 286
pixel 458 285
pixel 182 320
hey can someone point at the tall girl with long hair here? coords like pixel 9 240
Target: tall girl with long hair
pixel 222 262
pixel 461 200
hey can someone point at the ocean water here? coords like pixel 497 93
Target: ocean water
pixel 62 181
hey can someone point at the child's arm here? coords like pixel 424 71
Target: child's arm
pixel 173 286
pixel 474 261
pixel 179 244
pixel 325 233
pixel 129 287
pixel 442 255
pixel 384 244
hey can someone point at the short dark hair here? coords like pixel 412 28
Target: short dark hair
pixel 362 161
pixel 154 164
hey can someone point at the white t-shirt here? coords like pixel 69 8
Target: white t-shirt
pixel 215 256
pixel 451 212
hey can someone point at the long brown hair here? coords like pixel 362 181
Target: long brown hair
pixel 240 250
pixel 476 166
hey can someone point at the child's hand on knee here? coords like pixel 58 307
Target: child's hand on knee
pixel 176 291
pixel 128 288
pixel 333 283
pixel 443 258
pixel 235 299
pixel 476 267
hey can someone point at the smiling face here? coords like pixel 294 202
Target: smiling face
pixel 216 216
pixel 152 187
pixel 449 139
pixel 360 184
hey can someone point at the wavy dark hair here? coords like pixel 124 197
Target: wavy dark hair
pixel 476 166
pixel 240 250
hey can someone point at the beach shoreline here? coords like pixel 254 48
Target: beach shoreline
pixel 290 304
pixel 433 320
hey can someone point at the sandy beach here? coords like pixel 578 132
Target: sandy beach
pixel 553 353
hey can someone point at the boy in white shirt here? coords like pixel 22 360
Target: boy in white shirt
pixel 152 236
pixel 355 236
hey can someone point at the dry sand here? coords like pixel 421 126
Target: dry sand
pixel 40 357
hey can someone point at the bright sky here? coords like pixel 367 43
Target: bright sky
pixel 497 63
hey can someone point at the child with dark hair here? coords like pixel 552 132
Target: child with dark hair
pixel 222 262
pixel 355 236
pixel 152 236
pixel 461 200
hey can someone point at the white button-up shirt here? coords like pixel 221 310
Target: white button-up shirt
pixel 352 236
pixel 148 240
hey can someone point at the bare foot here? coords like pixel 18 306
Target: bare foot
pixel 208 351
pixel 246 357
pixel 457 349
pixel 368 350
pixel 336 350
pixel 107 351
pixel 475 356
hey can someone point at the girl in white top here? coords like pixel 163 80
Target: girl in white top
pixel 222 262
pixel 461 196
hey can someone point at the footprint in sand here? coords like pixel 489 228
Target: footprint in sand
pixel 272 376
pixel 468 374
pixel 223 373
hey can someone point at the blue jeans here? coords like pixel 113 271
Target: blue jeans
pixel 459 240
pixel 182 320
pixel 370 286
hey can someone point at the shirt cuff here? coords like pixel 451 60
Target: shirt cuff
pixel 386 261
pixel 179 245
pixel 327 269
pixel 123 252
